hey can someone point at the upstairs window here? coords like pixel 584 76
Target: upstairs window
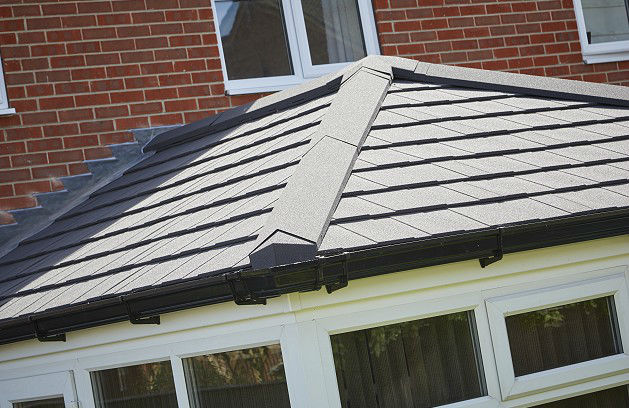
pixel 268 45
pixel 603 29
pixel 4 100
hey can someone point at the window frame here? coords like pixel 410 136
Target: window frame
pixel 4 98
pixel 512 387
pixel 602 52
pixel 299 51
pixel 365 319
pixel 38 387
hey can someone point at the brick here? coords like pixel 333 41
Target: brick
pixel 49 171
pixel 22 133
pixel 132 123
pixel 136 56
pixel 506 52
pixel 128 5
pixel 74 142
pixel 171 54
pixel 12 148
pixel 168 119
pixel 126 97
pixel 48 50
pixel 106 85
pixel 27 160
pixel 67 61
pixel 39 117
pixel 88 73
pixel 17 202
pixel 180 105
pixel 114 19
pixel 59 102
pixel 133 31
pixel 123 70
pixel 112 111
pixel 203 52
pixel 151 42
pixel 148 17
pixel 63 35
pixel 12 25
pixel 72 87
pixel 30 37
pixel 32 64
pixel 39 90
pixel 157 68
pixel 65 156
pixel 22 51
pixel 85 47
pixel 450 34
pixel 213 102
pixel 97 126
pixel 59 8
pixel 217 76
pixel 146 108
pixel 45 144
pixel 141 82
pixel 29 10
pixel 65 129
pixel 92 99
pixel 117 45
pixel 195 90
pixel 423 36
pixel 94 153
pixel 160 94
pixel 78 21
pixel 182 15
pixel 31 187
pixel 161 4
pixel 103 59
pixel 76 114
pixel 77 168
pixel 99 33
pixel 198 27
pixel 116 137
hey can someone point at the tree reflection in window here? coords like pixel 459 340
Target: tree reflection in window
pixel 251 377
pixel 138 386
pixel 563 335
pixel 421 363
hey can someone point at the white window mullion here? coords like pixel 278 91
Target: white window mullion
pixel 601 52
pixel 180 382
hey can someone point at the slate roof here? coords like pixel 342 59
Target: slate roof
pixel 388 151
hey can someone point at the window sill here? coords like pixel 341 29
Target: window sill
pixel 7 112
pixel 606 57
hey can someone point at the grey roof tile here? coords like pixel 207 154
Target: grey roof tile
pixel 510 212
pixel 441 222
pixel 382 230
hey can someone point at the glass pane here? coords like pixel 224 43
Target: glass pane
pixel 254 38
pixel 421 363
pixel 138 386
pixel 43 403
pixel 606 20
pixel 563 335
pixel 244 378
pixel 334 31
pixel 612 398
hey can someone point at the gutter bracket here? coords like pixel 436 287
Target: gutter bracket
pixel 134 318
pixel 498 253
pixel 246 297
pixel 342 280
pixel 43 337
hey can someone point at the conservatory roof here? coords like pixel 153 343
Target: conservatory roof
pixel 387 165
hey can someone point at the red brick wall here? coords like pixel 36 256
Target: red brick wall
pixel 531 37
pixel 81 73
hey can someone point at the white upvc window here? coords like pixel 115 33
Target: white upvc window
pixel 269 45
pixel 49 390
pixel 603 29
pixel 4 100
pixel 559 336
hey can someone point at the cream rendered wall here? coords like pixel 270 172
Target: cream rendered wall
pixel 301 323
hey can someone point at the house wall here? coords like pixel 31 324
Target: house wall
pixel 302 323
pixel 81 74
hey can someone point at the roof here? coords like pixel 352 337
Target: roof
pixel 391 160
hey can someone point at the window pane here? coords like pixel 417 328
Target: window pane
pixel 422 363
pixel 334 31
pixel 563 335
pixel 254 38
pixel 606 20
pixel 611 398
pixel 43 403
pixel 244 378
pixel 139 386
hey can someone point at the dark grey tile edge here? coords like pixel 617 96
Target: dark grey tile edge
pixel 304 210
pixel 521 83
